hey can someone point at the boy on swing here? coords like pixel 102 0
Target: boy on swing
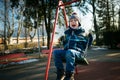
pixel 74 46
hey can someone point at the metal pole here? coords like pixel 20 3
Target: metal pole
pixel 65 18
pixel 51 46
pixel 68 3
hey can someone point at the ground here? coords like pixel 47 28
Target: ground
pixel 104 64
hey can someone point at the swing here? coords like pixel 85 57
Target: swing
pixel 60 5
pixel 82 59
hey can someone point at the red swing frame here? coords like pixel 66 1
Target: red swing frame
pixel 62 6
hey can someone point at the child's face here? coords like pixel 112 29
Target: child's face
pixel 74 23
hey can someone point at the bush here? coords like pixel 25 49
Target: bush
pixel 19 46
pixel 112 38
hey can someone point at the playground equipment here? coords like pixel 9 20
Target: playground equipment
pixel 62 6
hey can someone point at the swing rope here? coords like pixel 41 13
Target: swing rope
pixel 86 49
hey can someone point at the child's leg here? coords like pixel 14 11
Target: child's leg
pixel 58 55
pixel 70 59
pixel 70 63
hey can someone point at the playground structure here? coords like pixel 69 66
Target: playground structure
pixel 61 5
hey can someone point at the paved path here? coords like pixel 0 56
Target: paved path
pixel 104 65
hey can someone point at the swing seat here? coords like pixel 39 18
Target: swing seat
pixel 81 61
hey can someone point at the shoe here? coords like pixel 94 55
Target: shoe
pixel 69 76
pixel 60 75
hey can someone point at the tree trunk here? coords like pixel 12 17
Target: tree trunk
pixel 47 24
pixel 5 25
pixel 95 23
pixel 108 17
pixel 119 19
pixel 20 24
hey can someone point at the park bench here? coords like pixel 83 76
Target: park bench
pixel 14 57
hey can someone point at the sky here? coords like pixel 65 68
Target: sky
pixel 86 20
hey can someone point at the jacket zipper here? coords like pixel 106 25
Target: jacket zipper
pixel 69 39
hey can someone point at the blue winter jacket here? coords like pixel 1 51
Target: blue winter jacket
pixel 74 39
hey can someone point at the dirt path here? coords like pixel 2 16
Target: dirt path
pixel 104 65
